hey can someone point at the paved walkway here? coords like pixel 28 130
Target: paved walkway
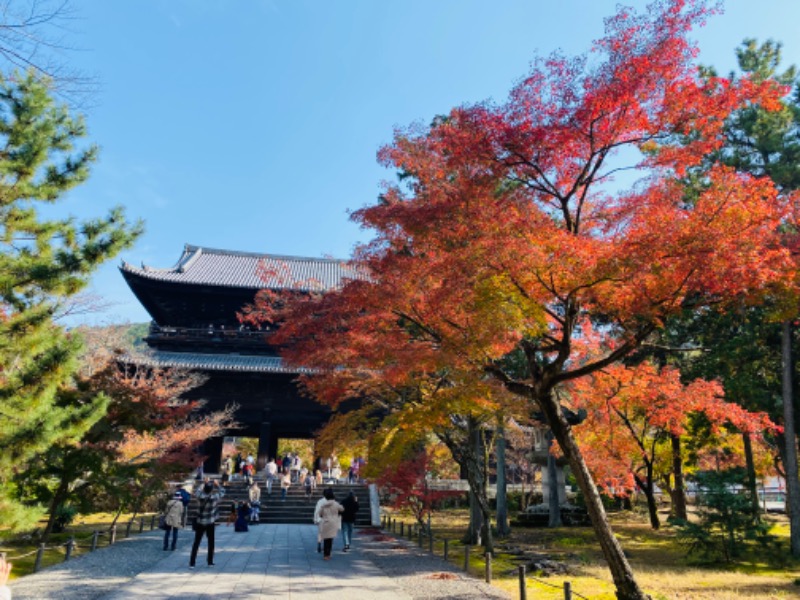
pixel 269 561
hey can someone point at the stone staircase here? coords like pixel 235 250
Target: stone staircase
pixel 295 509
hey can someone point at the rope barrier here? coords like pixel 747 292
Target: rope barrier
pixel 389 524
pixel 552 585
pixel 71 542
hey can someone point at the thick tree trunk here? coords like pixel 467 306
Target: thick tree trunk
pixel 626 586
pixel 752 484
pixel 792 483
pixel 501 499
pixel 472 458
pixel 678 492
pixel 552 476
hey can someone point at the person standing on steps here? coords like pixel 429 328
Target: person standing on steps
pixel 205 522
pixel 329 522
pixel 255 502
pixel 350 505
pixel 173 519
pixel 272 472
pixel 286 483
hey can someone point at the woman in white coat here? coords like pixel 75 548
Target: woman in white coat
pixel 329 522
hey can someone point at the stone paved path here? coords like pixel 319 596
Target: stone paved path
pixel 269 561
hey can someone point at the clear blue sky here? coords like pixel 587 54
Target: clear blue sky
pixel 253 124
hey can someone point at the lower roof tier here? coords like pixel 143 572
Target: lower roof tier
pixel 197 361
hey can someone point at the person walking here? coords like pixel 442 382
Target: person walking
pixel 329 522
pixel 173 519
pixel 208 498
pixel 350 505
pixel 255 502
pixel 317 520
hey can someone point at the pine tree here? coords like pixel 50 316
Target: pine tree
pixel 42 262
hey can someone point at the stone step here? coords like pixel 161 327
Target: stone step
pixel 296 508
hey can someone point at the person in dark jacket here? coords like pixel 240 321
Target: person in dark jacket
pixel 350 505
pixel 242 517
pixel 186 498
pixel 208 503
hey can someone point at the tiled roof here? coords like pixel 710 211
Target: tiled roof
pixel 211 362
pixel 227 268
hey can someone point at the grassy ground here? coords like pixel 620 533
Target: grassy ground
pixel 22 551
pixel 659 562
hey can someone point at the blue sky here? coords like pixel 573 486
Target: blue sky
pixel 253 124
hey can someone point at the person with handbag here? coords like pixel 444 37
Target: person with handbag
pixel 208 504
pixel 173 519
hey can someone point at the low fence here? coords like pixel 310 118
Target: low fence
pixel 90 542
pixel 426 538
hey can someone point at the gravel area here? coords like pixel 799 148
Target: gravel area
pixel 93 575
pixel 422 576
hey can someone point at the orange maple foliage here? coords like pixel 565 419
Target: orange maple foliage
pixel 633 411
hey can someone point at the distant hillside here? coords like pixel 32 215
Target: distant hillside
pixel 110 339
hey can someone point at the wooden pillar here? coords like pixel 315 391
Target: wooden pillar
pixel 212 448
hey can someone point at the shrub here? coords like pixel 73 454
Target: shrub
pixel 726 522
pixel 65 514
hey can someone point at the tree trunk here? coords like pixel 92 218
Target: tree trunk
pixel 472 457
pixel 552 492
pixel 626 586
pixel 752 484
pixel 501 499
pixel 792 483
pixel 678 493
pixel 473 535
pixel 649 494
pixel 59 496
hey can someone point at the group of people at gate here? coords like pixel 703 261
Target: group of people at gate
pixel 330 516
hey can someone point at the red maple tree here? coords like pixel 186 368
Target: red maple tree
pixel 504 239
pixel 408 485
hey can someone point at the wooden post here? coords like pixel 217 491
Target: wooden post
pixel 69 547
pixel 523 586
pixel 128 529
pixel 402 532
pixel 567 590
pixel 430 541
pixel 488 567
pixel 152 523
pixel 141 524
pixel 466 558
pixel 112 535
pixel 95 535
pixel 38 563
pixel 446 548
pixel 393 525
pixel 419 536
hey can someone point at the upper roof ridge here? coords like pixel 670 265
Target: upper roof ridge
pixel 191 249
